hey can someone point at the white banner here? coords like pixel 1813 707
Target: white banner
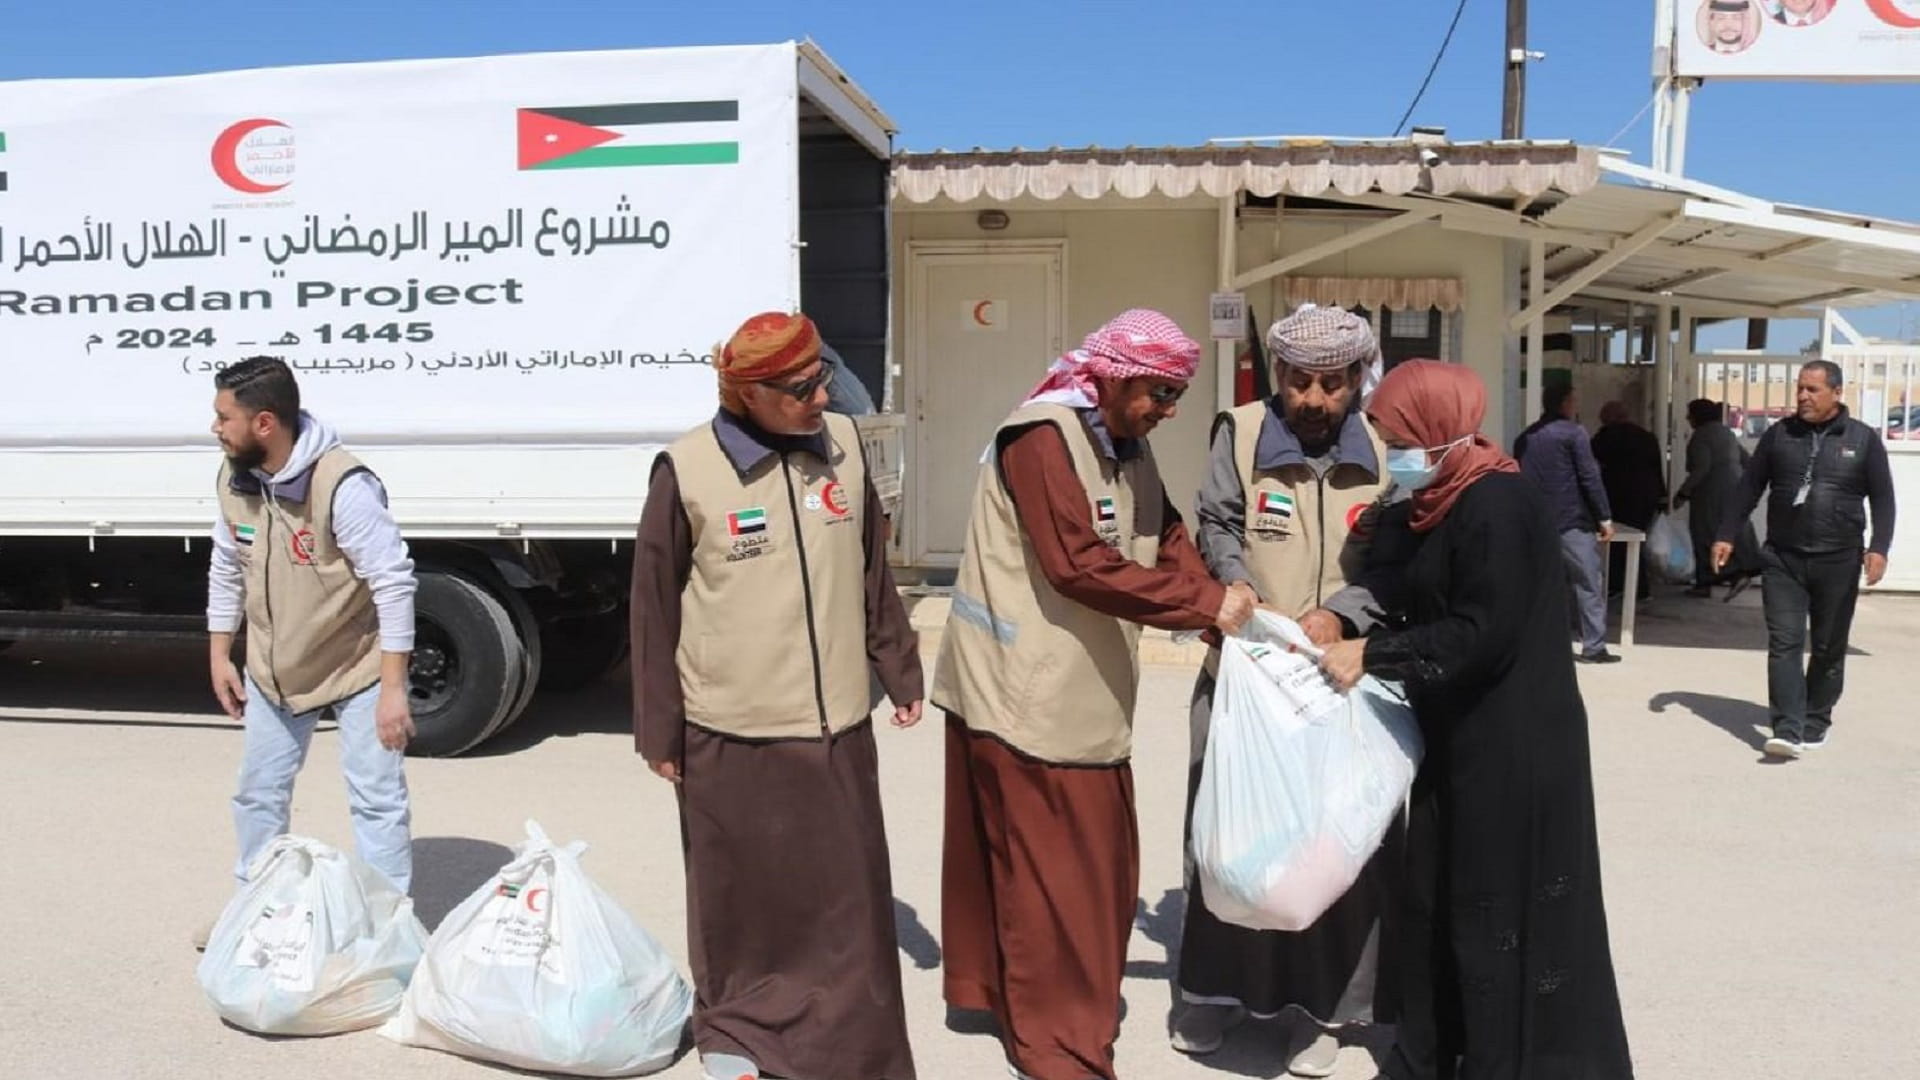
pixel 542 247
pixel 1797 39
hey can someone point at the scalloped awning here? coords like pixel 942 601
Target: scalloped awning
pixel 1486 170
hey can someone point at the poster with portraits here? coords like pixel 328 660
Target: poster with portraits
pixel 1864 40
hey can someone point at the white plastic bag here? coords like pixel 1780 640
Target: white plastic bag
pixel 316 943
pixel 541 970
pixel 1670 549
pixel 1300 782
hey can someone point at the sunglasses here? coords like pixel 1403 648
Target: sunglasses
pixel 804 389
pixel 1165 394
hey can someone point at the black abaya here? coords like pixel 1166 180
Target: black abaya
pixel 1508 974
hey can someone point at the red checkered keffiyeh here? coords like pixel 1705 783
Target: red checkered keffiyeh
pixel 1136 343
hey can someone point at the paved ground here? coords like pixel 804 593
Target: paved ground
pixel 1763 916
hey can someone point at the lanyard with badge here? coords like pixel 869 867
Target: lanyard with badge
pixel 1806 479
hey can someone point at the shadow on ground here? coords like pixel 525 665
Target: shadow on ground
pixel 1746 721
pixel 447 870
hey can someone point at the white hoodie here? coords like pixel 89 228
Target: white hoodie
pixel 363 528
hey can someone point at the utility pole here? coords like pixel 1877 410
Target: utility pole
pixel 1514 109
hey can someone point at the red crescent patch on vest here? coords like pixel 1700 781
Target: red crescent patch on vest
pixel 1356 523
pixel 303 545
pixel 835 496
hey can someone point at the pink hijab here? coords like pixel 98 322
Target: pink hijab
pixel 1432 404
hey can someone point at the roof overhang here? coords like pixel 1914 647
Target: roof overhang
pixel 1612 234
pixel 1310 169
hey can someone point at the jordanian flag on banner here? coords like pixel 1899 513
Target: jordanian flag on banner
pixel 637 133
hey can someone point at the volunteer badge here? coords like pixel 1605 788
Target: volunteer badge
pixel 1276 503
pixel 747 522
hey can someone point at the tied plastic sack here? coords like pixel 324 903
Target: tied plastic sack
pixel 1300 781
pixel 541 970
pixel 316 943
pixel 1670 549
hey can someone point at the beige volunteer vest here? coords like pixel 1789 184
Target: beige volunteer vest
pixel 1307 535
pixel 1050 677
pixel 313 635
pixel 773 631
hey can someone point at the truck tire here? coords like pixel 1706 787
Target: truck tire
pixel 527 628
pixel 577 652
pixel 467 667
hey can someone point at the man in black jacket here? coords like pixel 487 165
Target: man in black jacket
pixel 1819 468
pixel 1633 470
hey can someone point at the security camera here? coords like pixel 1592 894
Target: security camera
pixel 1429 157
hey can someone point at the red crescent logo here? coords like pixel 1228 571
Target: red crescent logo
pixel 1357 512
pixel 1891 14
pixel 226 164
pixel 979 312
pixel 531 906
pixel 835 496
pixel 303 546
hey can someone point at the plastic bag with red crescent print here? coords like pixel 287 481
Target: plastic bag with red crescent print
pixel 542 970
pixel 315 943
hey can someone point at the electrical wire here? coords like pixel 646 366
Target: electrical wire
pixel 1636 119
pixel 1437 57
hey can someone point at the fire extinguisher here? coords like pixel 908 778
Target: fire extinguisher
pixel 1243 384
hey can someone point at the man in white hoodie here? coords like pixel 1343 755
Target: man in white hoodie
pixel 306 551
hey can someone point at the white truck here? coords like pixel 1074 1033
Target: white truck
pixel 501 278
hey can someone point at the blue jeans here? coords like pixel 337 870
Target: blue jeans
pixel 1580 548
pixel 376 782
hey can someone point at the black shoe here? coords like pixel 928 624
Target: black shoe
pixel 1601 657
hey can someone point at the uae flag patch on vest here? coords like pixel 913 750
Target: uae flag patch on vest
pixel 1103 510
pixel 1276 503
pixel 243 535
pixel 747 522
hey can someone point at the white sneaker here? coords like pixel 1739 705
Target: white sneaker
pixel 1202 1029
pixel 1316 1052
pixel 1777 747
pixel 1820 744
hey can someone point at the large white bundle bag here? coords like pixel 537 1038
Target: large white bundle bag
pixel 316 943
pixel 541 970
pixel 1300 782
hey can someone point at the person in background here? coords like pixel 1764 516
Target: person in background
pixel 846 394
pixel 1071 546
pixel 1820 469
pixel 1289 503
pixel 1715 462
pixel 1556 454
pixel 306 554
pixel 1507 971
pixel 761 599
pixel 1633 471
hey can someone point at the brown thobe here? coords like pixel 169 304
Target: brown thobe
pixel 1042 862
pixel 790 927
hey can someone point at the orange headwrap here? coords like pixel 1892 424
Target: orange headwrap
pixel 766 346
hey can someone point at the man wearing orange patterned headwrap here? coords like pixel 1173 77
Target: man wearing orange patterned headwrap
pixel 761 600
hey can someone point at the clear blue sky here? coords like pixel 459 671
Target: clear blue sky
pixel 998 73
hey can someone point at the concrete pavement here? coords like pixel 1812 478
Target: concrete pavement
pixel 1762 915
